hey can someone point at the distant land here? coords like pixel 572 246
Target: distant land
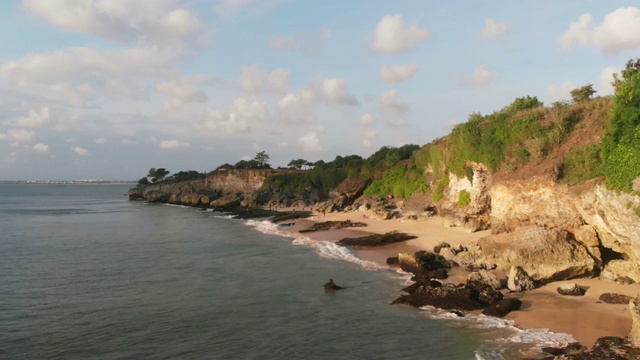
pixel 68 182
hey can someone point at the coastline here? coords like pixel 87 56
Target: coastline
pixel 586 318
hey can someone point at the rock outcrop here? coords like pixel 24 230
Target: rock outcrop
pixel 571 289
pixel 546 254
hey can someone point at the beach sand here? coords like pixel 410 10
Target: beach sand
pixel 586 318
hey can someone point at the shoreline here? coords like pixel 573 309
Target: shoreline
pixel 585 318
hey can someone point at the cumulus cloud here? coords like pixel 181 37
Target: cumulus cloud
pixel 239 117
pixel 180 93
pixel 157 23
pixel 101 141
pixel 366 120
pixel 80 75
pixel 393 110
pixel 369 137
pixel 492 29
pixel 80 151
pixel 560 92
pixel 305 43
pixel 392 36
pixel 606 79
pixel 254 80
pixel 173 145
pixel 18 135
pixel 482 75
pixel 41 148
pixel 310 142
pixel 620 30
pixel 33 119
pixel 335 91
pixel 297 108
pixel 399 73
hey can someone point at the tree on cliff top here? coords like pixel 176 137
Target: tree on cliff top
pixel 263 160
pixel 583 93
pixel 158 174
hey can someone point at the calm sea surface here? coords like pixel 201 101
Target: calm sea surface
pixel 87 274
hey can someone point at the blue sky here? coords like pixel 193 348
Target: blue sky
pixel 106 89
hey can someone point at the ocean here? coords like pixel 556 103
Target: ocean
pixel 87 274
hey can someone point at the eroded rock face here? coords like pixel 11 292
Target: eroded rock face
pixel 622 271
pixel 546 254
pixel 519 280
pixel 485 277
pixel 634 334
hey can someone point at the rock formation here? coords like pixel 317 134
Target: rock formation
pixel 571 289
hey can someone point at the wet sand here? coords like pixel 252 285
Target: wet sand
pixel 586 318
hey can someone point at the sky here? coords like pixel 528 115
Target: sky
pixel 107 89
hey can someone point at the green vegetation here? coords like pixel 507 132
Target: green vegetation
pixel 621 142
pixel 260 161
pixel 299 164
pixel 582 164
pixel 157 174
pixel 401 181
pixel 464 198
pixel 582 93
pixel 637 211
pixel 438 193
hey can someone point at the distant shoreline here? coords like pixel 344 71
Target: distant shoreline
pixel 70 182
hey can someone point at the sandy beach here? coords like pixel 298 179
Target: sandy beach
pixel 586 318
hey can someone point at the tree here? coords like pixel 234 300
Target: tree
pixel 298 163
pixel 583 93
pixel 523 103
pixel 262 159
pixel 143 182
pixel 157 174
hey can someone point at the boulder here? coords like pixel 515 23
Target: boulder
pixel 519 280
pixel 331 286
pixel 613 298
pixel 376 239
pixel 421 262
pixel 546 254
pixel 440 246
pixel 503 307
pixel 447 296
pixel 609 348
pixel 571 289
pixel 634 334
pixel 622 271
pixel 485 277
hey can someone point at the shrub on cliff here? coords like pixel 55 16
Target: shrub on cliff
pixel 621 142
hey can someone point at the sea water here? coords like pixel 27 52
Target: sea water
pixel 87 274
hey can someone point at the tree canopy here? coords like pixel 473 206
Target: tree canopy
pixel 583 93
pixel 158 174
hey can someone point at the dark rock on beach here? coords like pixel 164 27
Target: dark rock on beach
pixel 332 225
pixel 608 347
pixel 571 289
pixel 614 298
pixel 376 239
pixel 448 296
pixel 503 307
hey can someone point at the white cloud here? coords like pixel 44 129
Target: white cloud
pixel 173 145
pixel 283 145
pixel 254 80
pixel 400 73
pixel 560 92
pixel 278 80
pixel 492 29
pixel 239 117
pixel 18 135
pixel 297 108
pixel 310 142
pixel 620 30
pixel 366 119
pixel 80 75
pixel 41 148
pixel 158 23
pixel 305 43
pixel 101 141
pixel 33 119
pixel 180 93
pixel 482 75
pixel 369 137
pixel 80 151
pixel 392 36
pixel 335 91
pixel 393 110
pixel 606 78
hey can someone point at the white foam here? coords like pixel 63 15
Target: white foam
pixel 326 249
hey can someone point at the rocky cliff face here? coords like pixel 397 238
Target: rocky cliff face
pixel 218 189
pixel 600 221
